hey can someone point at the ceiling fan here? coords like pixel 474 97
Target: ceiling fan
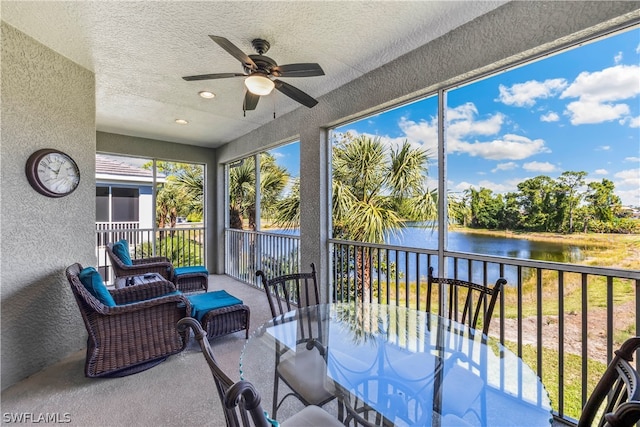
pixel 259 71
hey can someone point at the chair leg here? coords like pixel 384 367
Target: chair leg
pixel 276 385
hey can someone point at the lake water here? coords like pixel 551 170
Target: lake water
pixel 427 238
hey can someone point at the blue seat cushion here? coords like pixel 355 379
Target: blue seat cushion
pixel 121 250
pixel 201 304
pixel 194 269
pixel 92 280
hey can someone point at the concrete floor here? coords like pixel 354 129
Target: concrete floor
pixel 178 392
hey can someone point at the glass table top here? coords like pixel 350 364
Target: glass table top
pixel 411 367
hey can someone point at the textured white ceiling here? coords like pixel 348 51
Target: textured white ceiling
pixel 139 52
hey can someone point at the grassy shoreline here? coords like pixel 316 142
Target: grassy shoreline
pixel 604 250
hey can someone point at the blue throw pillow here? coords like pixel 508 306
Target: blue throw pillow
pixel 121 249
pixel 92 280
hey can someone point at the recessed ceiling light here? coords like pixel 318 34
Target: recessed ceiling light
pixel 181 121
pixel 206 94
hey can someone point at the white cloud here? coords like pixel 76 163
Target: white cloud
pixel 604 148
pixel 611 84
pixel 632 159
pixel 510 147
pixel 551 116
pixel 526 94
pixel 629 177
pixel 588 112
pixel 505 166
pixel 638 48
pixel 462 125
pixel 539 167
pixel 597 91
pixel 601 172
pixel 461 186
pixel 634 122
pixel 627 184
pixel 465 128
pixel 497 187
pixel 618 58
pixel 423 132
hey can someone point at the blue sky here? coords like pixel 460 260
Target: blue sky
pixel 578 110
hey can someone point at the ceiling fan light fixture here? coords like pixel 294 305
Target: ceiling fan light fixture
pixel 259 84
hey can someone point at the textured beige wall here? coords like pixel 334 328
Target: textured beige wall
pixel 47 101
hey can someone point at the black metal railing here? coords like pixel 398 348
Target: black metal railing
pixel 564 320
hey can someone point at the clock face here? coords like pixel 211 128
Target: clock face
pixel 52 173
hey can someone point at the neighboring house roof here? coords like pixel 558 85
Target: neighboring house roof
pixel 111 169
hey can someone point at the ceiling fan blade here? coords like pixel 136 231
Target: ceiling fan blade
pixel 298 70
pixel 295 94
pixel 213 76
pixel 235 52
pixel 250 101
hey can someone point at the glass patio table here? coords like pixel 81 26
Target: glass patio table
pixel 403 366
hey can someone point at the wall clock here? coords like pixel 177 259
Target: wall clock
pixel 52 172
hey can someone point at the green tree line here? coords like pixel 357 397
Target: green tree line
pixel 376 189
pixel 566 204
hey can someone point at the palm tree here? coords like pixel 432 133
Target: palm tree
pixel 242 180
pixel 191 182
pixel 376 189
pixel 371 184
pixel 242 194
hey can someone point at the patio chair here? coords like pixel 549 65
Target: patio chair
pixel 129 329
pixel 615 401
pixel 468 303
pixel 471 296
pixel 123 265
pixel 282 292
pixel 186 279
pixel 241 401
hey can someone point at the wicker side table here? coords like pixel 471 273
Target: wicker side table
pixel 141 279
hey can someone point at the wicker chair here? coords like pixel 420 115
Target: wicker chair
pixel 241 401
pixel 281 291
pixel 160 265
pixel 129 338
pixel 185 282
pixel 615 401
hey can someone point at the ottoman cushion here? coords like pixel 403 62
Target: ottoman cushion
pixel 194 269
pixel 201 304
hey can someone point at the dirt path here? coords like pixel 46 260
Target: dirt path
pixel 623 315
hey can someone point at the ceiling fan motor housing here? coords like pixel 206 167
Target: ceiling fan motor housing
pixel 261 46
pixel 264 63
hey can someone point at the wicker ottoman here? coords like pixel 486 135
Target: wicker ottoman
pixel 220 313
pixel 191 279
